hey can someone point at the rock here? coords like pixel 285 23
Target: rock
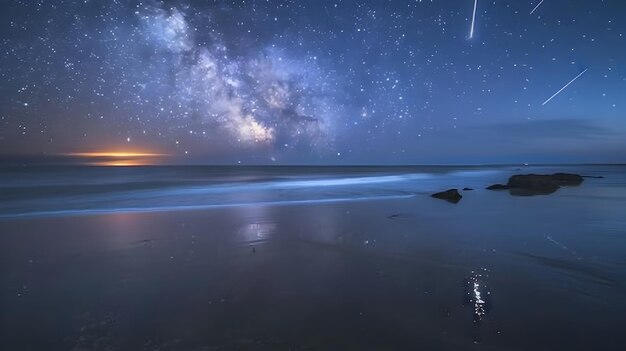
pixel 498 187
pixel 530 191
pixel 565 179
pixel 538 184
pixel 451 195
pixel 467 189
pixel 532 184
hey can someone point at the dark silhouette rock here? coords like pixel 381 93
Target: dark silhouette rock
pixel 532 184
pixel 535 190
pixel 467 189
pixel 451 195
pixel 567 179
pixel 498 187
pixel 538 184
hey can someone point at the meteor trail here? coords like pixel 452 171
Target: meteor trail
pixel 473 19
pixel 565 86
pixel 536 7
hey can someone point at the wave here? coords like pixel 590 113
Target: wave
pixel 146 190
pixel 78 212
pixel 43 191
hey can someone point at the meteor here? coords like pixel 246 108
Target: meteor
pixel 471 35
pixel 536 7
pixel 565 86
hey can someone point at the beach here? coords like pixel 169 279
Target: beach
pixel 310 259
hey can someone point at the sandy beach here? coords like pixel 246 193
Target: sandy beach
pixel 378 274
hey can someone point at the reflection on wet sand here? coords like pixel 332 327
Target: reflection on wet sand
pixel 477 293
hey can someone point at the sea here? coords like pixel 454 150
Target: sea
pixel 75 190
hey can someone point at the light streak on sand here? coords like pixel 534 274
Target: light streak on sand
pixel 565 86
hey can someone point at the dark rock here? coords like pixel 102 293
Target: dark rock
pixel 395 215
pixel 451 195
pixel 467 189
pixel 532 184
pixel 538 184
pixel 530 191
pixel 567 179
pixel 498 187
pixel 594 177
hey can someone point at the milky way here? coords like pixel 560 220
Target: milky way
pixel 264 97
pixel 314 81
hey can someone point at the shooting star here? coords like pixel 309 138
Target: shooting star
pixel 536 7
pixel 471 35
pixel 565 86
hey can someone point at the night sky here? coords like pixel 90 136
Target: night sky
pixel 316 82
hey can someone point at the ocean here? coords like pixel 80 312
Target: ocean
pixel 72 190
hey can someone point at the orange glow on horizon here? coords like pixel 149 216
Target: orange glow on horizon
pixel 114 154
pixel 118 158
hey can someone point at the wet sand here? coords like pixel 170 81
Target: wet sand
pixel 365 275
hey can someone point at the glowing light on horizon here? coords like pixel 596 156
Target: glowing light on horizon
pixel 114 154
pixel 117 158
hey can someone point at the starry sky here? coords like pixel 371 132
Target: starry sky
pixel 316 82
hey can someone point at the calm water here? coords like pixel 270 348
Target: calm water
pixel 288 258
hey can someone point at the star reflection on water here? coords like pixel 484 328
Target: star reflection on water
pixel 477 293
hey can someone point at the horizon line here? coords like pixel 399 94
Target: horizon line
pixel 526 164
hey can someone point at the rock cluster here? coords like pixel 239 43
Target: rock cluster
pixel 538 184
